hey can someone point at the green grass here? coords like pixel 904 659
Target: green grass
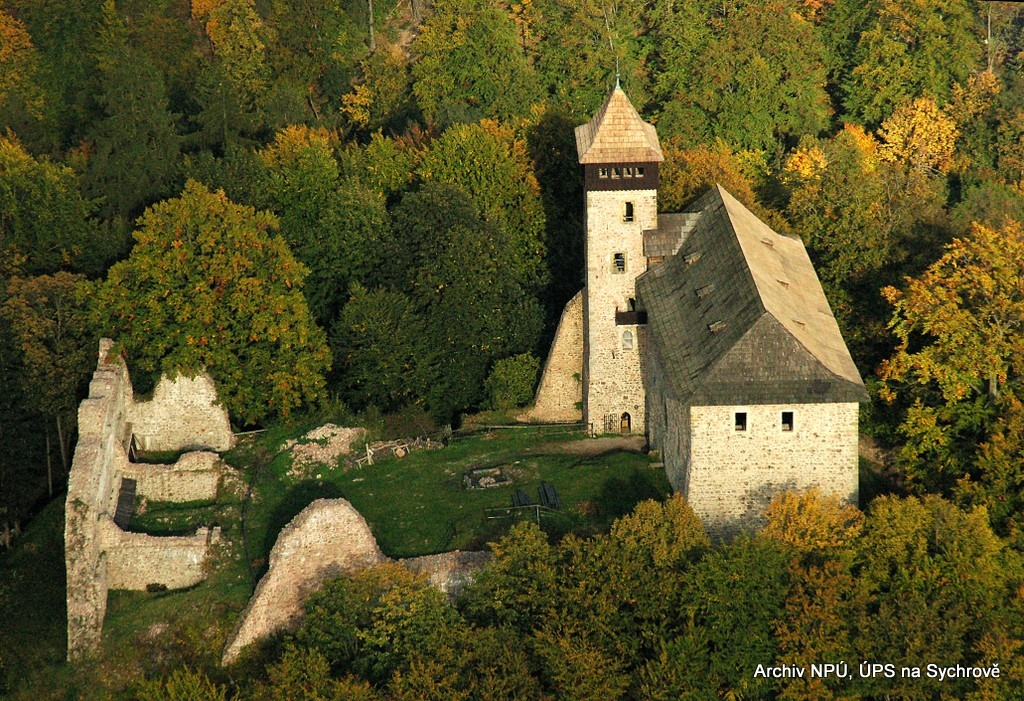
pixel 416 505
pixel 33 616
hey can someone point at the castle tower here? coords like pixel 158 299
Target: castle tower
pixel 620 154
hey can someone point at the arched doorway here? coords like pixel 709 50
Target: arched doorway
pixel 625 423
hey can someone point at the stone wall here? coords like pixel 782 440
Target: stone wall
pixel 98 555
pixel 194 477
pixel 136 560
pixel 560 392
pixel 613 379
pixel 328 538
pixel 183 415
pixel 733 475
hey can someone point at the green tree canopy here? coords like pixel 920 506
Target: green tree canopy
pixel 136 144
pixel 911 48
pixel 755 78
pixel 208 286
pixel 469 65
pixel 44 221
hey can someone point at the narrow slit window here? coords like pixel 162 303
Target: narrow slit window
pixel 627 214
pixel 627 340
pixel 787 421
pixel 740 420
pixel 618 262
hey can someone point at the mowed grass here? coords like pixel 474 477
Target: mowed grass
pixel 415 505
pixel 418 504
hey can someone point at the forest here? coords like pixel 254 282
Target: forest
pixel 362 209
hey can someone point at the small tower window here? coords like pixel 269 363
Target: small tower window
pixel 618 262
pixel 602 173
pixel 627 340
pixel 627 214
pixel 740 421
pixel 787 421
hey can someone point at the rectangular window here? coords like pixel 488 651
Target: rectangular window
pixel 602 172
pixel 616 173
pixel 639 171
pixel 627 214
pixel 628 171
pixel 787 421
pixel 618 262
pixel 741 421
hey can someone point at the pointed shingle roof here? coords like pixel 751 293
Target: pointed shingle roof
pixel 738 316
pixel 617 134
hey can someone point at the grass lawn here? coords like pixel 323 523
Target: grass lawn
pixel 415 505
pixel 418 505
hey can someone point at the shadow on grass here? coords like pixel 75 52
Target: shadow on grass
pixel 619 496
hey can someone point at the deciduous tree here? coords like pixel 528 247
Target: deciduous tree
pixel 208 286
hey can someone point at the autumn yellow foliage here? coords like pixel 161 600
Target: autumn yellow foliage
pixel 812 521
pixel 921 135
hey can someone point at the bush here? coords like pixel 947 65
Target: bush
pixel 511 381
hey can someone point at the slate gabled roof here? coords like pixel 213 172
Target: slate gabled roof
pixel 617 134
pixel 738 315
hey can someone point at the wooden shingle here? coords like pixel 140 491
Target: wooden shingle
pixel 617 134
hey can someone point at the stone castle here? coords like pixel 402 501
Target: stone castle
pixel 100 554
pixel 706 331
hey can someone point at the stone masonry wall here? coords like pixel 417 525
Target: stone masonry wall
pixel 734 474
pixel 98 555
pixel 328 538
pixel 136 560
pixel 183 415
pixel 613 380
pixel 560 392
pixel 194 477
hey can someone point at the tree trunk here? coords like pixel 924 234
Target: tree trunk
pixel 63 445
pixel 993 386
pixel 373 43
pixel 49 464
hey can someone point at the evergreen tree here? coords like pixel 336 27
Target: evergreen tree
pixel 136 146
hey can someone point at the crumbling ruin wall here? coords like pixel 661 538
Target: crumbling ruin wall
pixel 328 538
pixel 183 415
pixel 559 396
pixel 194 477
pixel 137 561
pixel 99 555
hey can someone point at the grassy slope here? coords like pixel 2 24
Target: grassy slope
pixel 415 505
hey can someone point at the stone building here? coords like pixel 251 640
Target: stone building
pixel 705 330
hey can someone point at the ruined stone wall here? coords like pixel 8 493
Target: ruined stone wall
pixel 328 538
pixel 560 392
pixel 91 484
pixel 182 415
pixel 98 555
pixel 194 477
pixel 733 475
pixel 613 381
pixel 136 560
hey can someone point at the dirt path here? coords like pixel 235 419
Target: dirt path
pixel 600 446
